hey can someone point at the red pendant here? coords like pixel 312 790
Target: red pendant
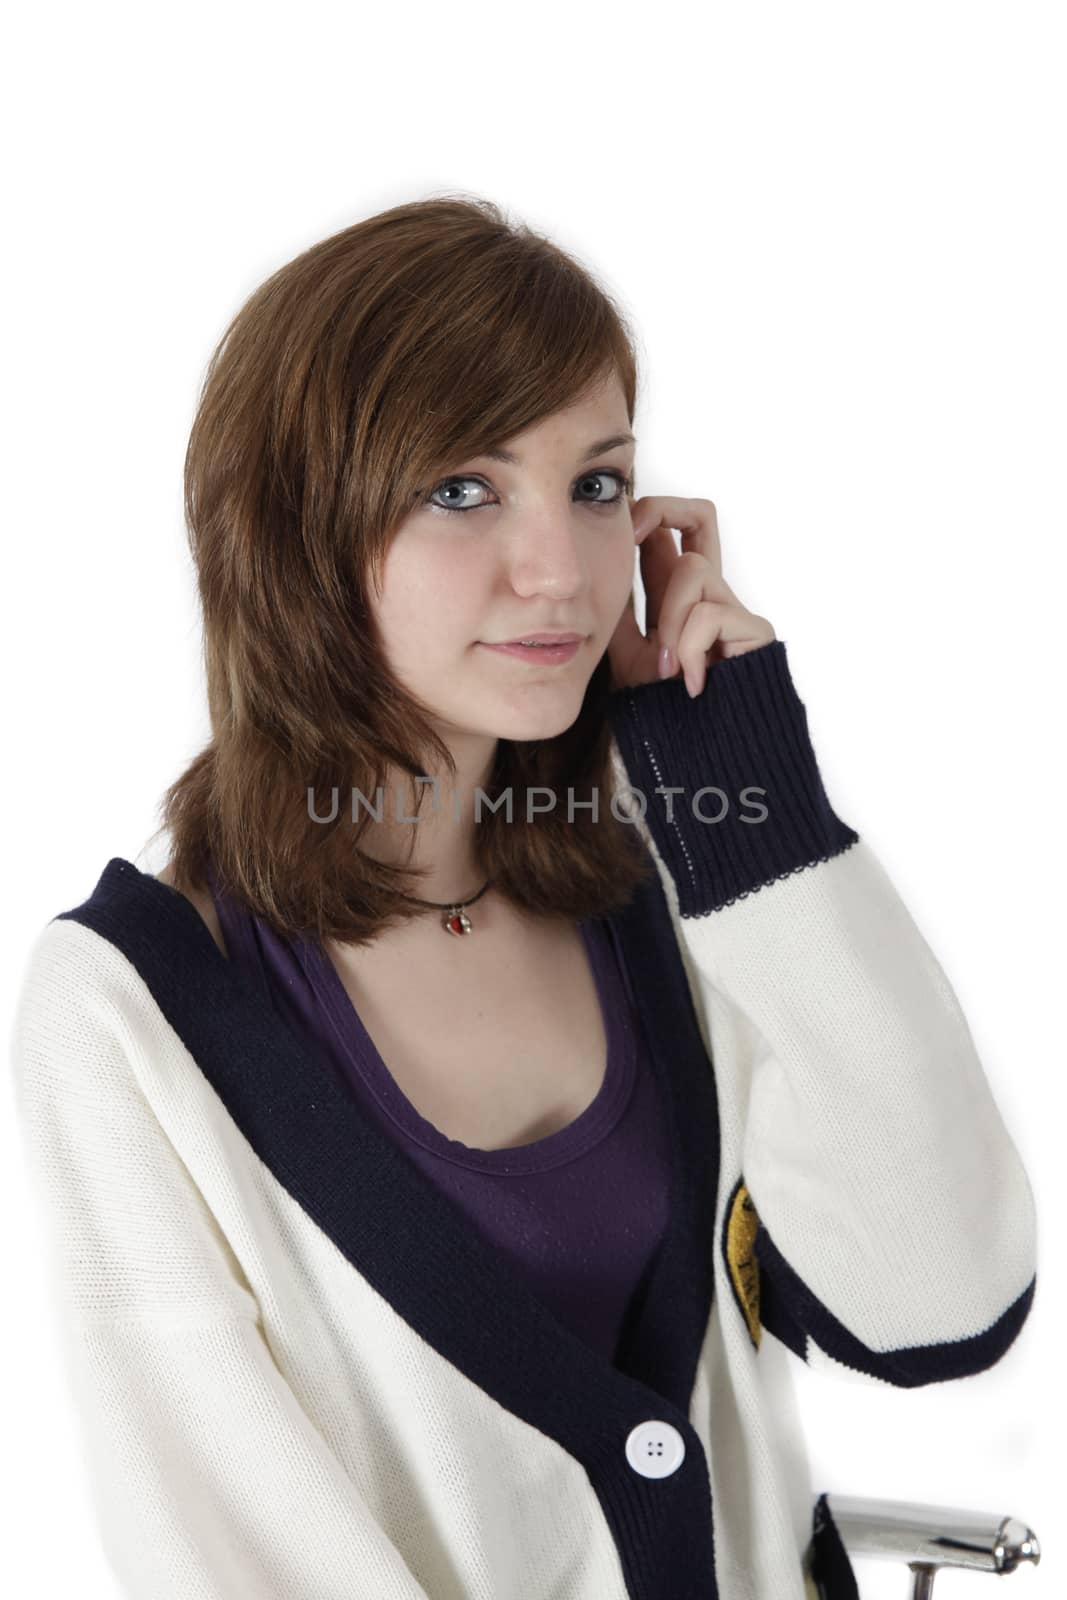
pixel 457 922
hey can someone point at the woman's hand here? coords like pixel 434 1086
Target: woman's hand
pixel 691 611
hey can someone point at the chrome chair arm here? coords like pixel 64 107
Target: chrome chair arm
pixel 929 1538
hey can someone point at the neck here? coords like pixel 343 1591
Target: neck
pixel 441 841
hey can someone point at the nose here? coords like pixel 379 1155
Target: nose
pixel 545 555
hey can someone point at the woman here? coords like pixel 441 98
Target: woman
pixel 423 1179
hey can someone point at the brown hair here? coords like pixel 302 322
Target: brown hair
pixel 422 335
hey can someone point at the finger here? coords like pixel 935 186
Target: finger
pixel 725 629
pixel 659 559
pixel 631 654
pixel 696 520
pixel 692 582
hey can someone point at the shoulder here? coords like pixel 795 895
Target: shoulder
pixel 89 990
pixel 201 899
pixel 79 1002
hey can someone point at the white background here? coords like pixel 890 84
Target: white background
pixel 838 229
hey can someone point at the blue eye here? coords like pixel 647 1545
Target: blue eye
pixel 624 488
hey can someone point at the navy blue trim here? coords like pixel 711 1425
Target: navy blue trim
pixel 417 1249
pixel 906 1368
pixel 831 1569
pixel 746 734
pixel 775 1313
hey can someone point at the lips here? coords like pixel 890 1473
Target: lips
pixel 545 638
pixel 545 654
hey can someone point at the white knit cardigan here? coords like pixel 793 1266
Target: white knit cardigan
pixel 299 1375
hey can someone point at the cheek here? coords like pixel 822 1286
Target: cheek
pixel 429 598
pixel 615 578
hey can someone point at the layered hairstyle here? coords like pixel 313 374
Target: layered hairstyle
pixel 367 365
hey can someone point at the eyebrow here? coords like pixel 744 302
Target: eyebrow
pixel 594 449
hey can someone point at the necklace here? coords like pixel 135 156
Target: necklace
pixel 457 920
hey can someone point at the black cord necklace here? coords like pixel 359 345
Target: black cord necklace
pixel 457 920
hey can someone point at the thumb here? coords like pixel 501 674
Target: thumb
pixel 634 656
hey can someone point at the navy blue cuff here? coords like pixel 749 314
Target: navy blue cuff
pixel 744 741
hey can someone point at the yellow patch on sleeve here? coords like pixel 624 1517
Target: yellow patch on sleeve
pixel 741 1229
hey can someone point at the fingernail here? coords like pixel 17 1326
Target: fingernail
pixel 665 668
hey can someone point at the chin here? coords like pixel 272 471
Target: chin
pixel 525 729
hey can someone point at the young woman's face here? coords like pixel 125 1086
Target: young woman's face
pixel 545 545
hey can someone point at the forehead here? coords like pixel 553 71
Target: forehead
pixel 596 424
pixel 598 447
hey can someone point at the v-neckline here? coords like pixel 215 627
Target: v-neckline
pixel 419 1251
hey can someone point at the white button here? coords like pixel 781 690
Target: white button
pixel 655 1449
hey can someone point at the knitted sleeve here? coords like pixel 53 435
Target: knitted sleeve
pixel 206 1476
pixel 895 1236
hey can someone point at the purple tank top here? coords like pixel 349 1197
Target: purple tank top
pixel 579 1213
